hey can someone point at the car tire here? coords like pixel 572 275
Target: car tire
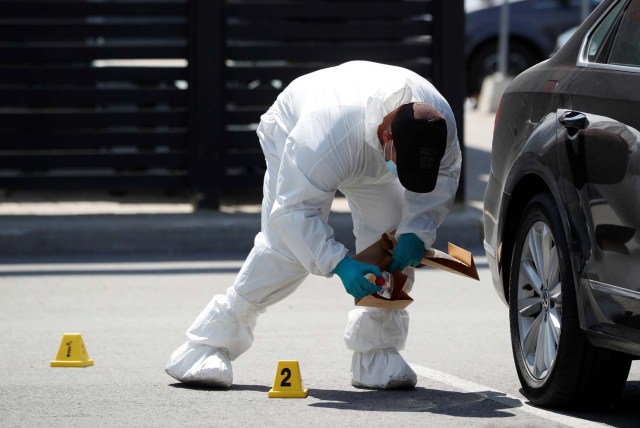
pixel 556 364
pixel 484 62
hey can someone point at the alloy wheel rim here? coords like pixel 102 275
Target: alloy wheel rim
pixel 539 301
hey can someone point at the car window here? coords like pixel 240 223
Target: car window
pixel 598 37
pixel 625 49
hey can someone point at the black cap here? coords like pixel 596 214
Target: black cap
pixel 420 145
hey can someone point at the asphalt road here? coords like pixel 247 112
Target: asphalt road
pixel 133 313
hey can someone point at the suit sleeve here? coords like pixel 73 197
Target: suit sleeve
pixel 423 213
pixel 318 155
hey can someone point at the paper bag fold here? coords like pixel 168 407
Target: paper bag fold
pixel 458 261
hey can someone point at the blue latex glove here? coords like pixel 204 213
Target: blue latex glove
pixel 352 273
pixel 408 252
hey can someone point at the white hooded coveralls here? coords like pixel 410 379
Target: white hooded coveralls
pixel 320 136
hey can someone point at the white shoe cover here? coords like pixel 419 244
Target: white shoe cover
pixel 201 364
pixel 370 329
pixel 381 369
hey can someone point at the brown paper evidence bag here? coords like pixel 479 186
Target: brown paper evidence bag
pixel 458 261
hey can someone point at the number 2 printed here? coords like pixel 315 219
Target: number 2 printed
pixel 286 372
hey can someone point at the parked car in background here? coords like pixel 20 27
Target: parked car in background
pixel 534 28
pixel 564 37
pixel 562 213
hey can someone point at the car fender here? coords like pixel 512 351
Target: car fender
pixel 535 169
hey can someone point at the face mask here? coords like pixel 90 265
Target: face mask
pixel 391 166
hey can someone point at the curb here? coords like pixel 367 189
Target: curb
pixel 199 232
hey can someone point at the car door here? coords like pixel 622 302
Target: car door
pixel 598 124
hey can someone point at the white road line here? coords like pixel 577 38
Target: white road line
pixel 500 397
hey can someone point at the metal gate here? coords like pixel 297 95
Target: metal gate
pixel 166 94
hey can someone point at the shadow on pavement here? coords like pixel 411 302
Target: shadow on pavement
pixel 624 414
pixel 234 387
pixel 450 403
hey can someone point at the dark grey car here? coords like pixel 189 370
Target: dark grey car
pixel 534 28
pixel 562 213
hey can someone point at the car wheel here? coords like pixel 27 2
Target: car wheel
pixel 556 364
pixel 484 62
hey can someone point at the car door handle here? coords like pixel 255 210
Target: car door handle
pixel 574 120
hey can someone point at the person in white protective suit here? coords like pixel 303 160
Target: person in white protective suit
pixel 350 128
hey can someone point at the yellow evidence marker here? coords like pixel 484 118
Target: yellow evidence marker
pixel 288 382
pixel 72 352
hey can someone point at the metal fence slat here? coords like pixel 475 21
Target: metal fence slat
pixel 301 31
pixel 77 52
pixel 52 31
pixel 89 97
pixel 93 119
pixel 80 161
pixel 380 52
pixel 87 140
pixel 252 97
pixel 326 10
pixel 106 181
pixel 59 9
pixel 283 75
pixel 87 74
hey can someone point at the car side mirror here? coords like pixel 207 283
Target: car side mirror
pixel 597 156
